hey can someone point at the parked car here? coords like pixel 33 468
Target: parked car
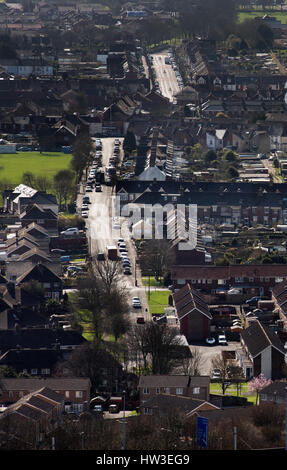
pixel 113 409
pixel 253 301
pixel 101 256
pixel 70 231
pixel 98 188
pixel 222 339
pixel 216 374
pixel 210 341
pixel 136 302
pixel 140 320
pixel 127 271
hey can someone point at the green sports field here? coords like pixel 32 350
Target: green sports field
pixel 12 166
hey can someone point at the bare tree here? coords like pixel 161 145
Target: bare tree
pixel 108 272
pixel 159 347
pixel 192 365
pixel 156 257
pixel 227 371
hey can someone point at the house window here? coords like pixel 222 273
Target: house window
pixel 263 397
pixel 67 394
pixel 146 411
pixel 10 394
pixel 193 281
pixel 157 390
pixel 79 394
pixel 46 285
pixel 78 407
pixel 146 391
pixel 167 390
pixel 239 279
pixel 179 391
pixel 251 279
pixel 34 371
pixel 196 390
pixel 45 371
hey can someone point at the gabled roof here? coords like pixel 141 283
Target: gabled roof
pixel 187 301
pixel 36 338
pixel 173 381
pixel 37 212
pixel 258 337
pixel 187 405
pixel 40 273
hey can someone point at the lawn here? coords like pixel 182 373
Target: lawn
pixel 282 16
pixel 232 390
pixel 12 166
pixel 152 281
pixel 157 300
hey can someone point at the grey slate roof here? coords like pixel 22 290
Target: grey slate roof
pixel 173 381
pixel 257 337
pixel 32 384
pixel 168 402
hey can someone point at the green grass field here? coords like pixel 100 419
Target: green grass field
pixel 158 301
pixel 12 166
pixel 232 390
pixel 152 281
pixel 282 16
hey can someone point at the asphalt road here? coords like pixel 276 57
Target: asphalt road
pixel 101 233
pixel 165 75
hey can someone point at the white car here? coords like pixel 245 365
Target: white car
pixel 222 339
pixel 85 214
pixel 216 374
pixel 70 231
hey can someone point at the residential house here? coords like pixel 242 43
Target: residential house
pixel 16 201
pixel 32 415
pixel 250 280
pixel 46 337
pixel 218 139
pixel 262 352
pixel 151 386
pixel 274 392
pixel 165 404
pixel 44 217
pixel 279 295
pixel 74 390
pixel 193 314
pixel 48 279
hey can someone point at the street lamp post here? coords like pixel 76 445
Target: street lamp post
pixel 124 421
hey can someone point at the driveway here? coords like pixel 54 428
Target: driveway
pixel 207 353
